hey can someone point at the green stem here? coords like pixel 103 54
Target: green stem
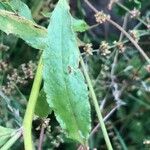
pixel 124 147
pixel 12 140
pixel 27 123
pixel 96 105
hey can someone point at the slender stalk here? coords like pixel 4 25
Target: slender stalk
pixel 27 123
pixel 41 137
pixel 96 105
pixel 124 147
pixel 105 119
pixel 12 140
pixel 125 21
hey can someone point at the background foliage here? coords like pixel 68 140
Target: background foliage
pixel 127 86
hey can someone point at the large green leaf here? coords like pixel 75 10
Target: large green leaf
pixel 64 83
pixel 16 6
pixel 33 34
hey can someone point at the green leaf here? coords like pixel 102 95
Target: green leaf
pixel 5 6
pixel 138 3
pixel 79 25
pixel 5 131
pixel 33 34
pixel 17 6
pixel 64 83
pixel 42 108
pixel 5 134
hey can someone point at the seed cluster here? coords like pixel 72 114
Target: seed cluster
pixel 88 49
pixel 104 48
pixel 18 77
pixel 120 46
pixel 3 66
pixel 135 35
pixel 101 17
pixel 104 70
pixel 3 48
pixel 135 13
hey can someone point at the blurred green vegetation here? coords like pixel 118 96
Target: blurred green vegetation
pixel 128 126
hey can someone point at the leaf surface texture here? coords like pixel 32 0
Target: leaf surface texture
pixel 64 83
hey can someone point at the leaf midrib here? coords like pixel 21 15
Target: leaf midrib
pixel 66 88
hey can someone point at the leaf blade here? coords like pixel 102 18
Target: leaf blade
pixel 64 83
pixel 17 6
pixel 33 34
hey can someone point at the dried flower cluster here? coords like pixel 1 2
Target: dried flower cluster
pixel 20 76
pixel 3 48
pixel 44 124
pixel 120 46
pixel 101 17
pixel 3 63
pixel 28 70
pixel 3 66
pixel 104 70
pixel 134 34
pixel 135 13
pixel 56 137
pixel 88 49
pixel 104 48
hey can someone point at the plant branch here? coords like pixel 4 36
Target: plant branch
pixel 123 31
pixel 125 21
pixel 96 105
pixel 27 123
pixel 41 137
pixel 98 125
pixel 105 119
pixel 115 88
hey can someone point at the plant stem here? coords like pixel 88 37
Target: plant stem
pixel 12 140
pixel 27 123
pixel 41 137
pixel 96 105
pixel 105 119
pixel 120 139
